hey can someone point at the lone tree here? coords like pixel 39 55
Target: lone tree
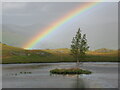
pixel 79 46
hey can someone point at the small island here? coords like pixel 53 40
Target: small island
pixel 70 71
pixel 79 47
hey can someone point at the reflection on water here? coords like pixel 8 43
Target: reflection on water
pixel 79 83
pixel 105 75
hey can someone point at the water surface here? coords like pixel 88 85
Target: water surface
pixel 105 75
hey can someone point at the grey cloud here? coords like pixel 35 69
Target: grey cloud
pixel 99 23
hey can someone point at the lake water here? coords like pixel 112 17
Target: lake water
pixel 105 75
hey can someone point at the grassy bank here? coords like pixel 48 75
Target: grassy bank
pixel 18 55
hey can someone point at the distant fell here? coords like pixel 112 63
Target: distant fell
pixel 104 50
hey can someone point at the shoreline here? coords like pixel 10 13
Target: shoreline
pixel 66 62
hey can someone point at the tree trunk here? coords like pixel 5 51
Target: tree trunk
pixel 77 64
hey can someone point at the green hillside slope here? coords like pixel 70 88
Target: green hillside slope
pixel 18 55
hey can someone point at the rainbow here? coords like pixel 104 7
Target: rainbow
pixel 58 23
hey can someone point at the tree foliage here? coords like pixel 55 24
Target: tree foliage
pixel 79 45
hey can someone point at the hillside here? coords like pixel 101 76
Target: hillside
pixel 18 55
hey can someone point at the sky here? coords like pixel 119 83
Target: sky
pixel 22 21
